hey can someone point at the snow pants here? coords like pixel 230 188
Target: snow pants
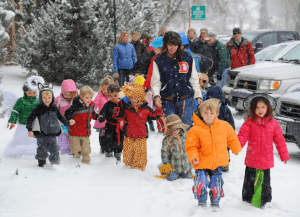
pixel 111 139
pixel 47 144
pixel 135 153
pixel 215 184
pixel 257 188
pixel 102 138
pixel 80 145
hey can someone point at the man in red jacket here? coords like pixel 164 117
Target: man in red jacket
pixel 240 50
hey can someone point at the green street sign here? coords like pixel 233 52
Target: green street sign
pixel 198 12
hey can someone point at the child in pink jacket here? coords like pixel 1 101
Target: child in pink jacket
pixel 63 102
pixel 260 130
pixel 100 100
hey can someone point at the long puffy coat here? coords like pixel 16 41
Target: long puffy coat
pixel 261 134
pixel 242 55
pixel 82 116
pixel 209 143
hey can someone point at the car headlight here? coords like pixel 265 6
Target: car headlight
pixel 269 85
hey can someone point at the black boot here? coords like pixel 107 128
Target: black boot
pixel 41 163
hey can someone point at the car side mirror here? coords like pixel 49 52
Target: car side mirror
pixel 258 46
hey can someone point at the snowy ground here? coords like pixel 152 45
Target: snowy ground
pixel 106 189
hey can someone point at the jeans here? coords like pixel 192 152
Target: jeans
pixel 171 107
pixel 222 82
pixel 124 76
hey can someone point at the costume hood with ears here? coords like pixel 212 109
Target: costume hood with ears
pixel 43 88
pixel 136 91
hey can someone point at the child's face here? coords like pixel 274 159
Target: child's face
pixel 114 96
pixel 209 116
pixel 261 109
pixel 30 93
pixel 176 132
pixel 87 99
pixel 133 101
pixel 104 90
pixel 47 99
pixel 67 95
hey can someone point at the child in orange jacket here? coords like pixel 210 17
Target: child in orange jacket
pixel 206 148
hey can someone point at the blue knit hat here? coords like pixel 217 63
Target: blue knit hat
pixel 157 42
pixel 184 38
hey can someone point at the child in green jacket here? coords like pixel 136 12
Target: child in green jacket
pixel 21 143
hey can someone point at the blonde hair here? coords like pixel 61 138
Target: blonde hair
pixel 46 92
pixel 106 81
pixel 121 35
pixel 135 33
pixel 209 104
pixel 86 89
pixel 191 30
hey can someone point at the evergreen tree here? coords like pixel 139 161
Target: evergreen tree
pixel 264 21
pixel 136 15
pixel 5 22
pixel 75 39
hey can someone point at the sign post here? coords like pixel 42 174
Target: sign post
pixel 198 12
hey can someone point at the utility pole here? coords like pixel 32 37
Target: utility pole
pixel 115 26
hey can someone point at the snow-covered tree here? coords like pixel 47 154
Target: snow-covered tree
pixel 5 22
pixel 264 20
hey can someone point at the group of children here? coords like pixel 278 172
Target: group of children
pixel 122 128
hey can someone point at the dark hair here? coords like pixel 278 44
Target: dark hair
pixel 253 106
pixel 174 38
pixel 25 87
pixel 147 40
pixel 113 88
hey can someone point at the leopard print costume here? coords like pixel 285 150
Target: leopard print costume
pixel 135 153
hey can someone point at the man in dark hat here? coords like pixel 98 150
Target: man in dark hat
pixel 222 58
pixel 240 50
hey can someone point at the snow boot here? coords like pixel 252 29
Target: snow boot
pixel 225 169
pixel 118 156
pixel 109 154
pixel 41 163
pixel 215 206
pixel 202 203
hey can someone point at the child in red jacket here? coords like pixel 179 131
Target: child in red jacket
pixel 82 111
pixel 260 130
pixel 136 115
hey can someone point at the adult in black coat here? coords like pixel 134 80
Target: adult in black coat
pixel 139 46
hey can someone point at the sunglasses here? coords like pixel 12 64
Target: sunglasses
pixel 236 33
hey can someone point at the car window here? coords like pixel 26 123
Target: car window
pixel 293 54
pixel 286 36
pixel 269 53
pixel 268 39
pixel 250 36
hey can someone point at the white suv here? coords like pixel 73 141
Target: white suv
pixel 288 116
